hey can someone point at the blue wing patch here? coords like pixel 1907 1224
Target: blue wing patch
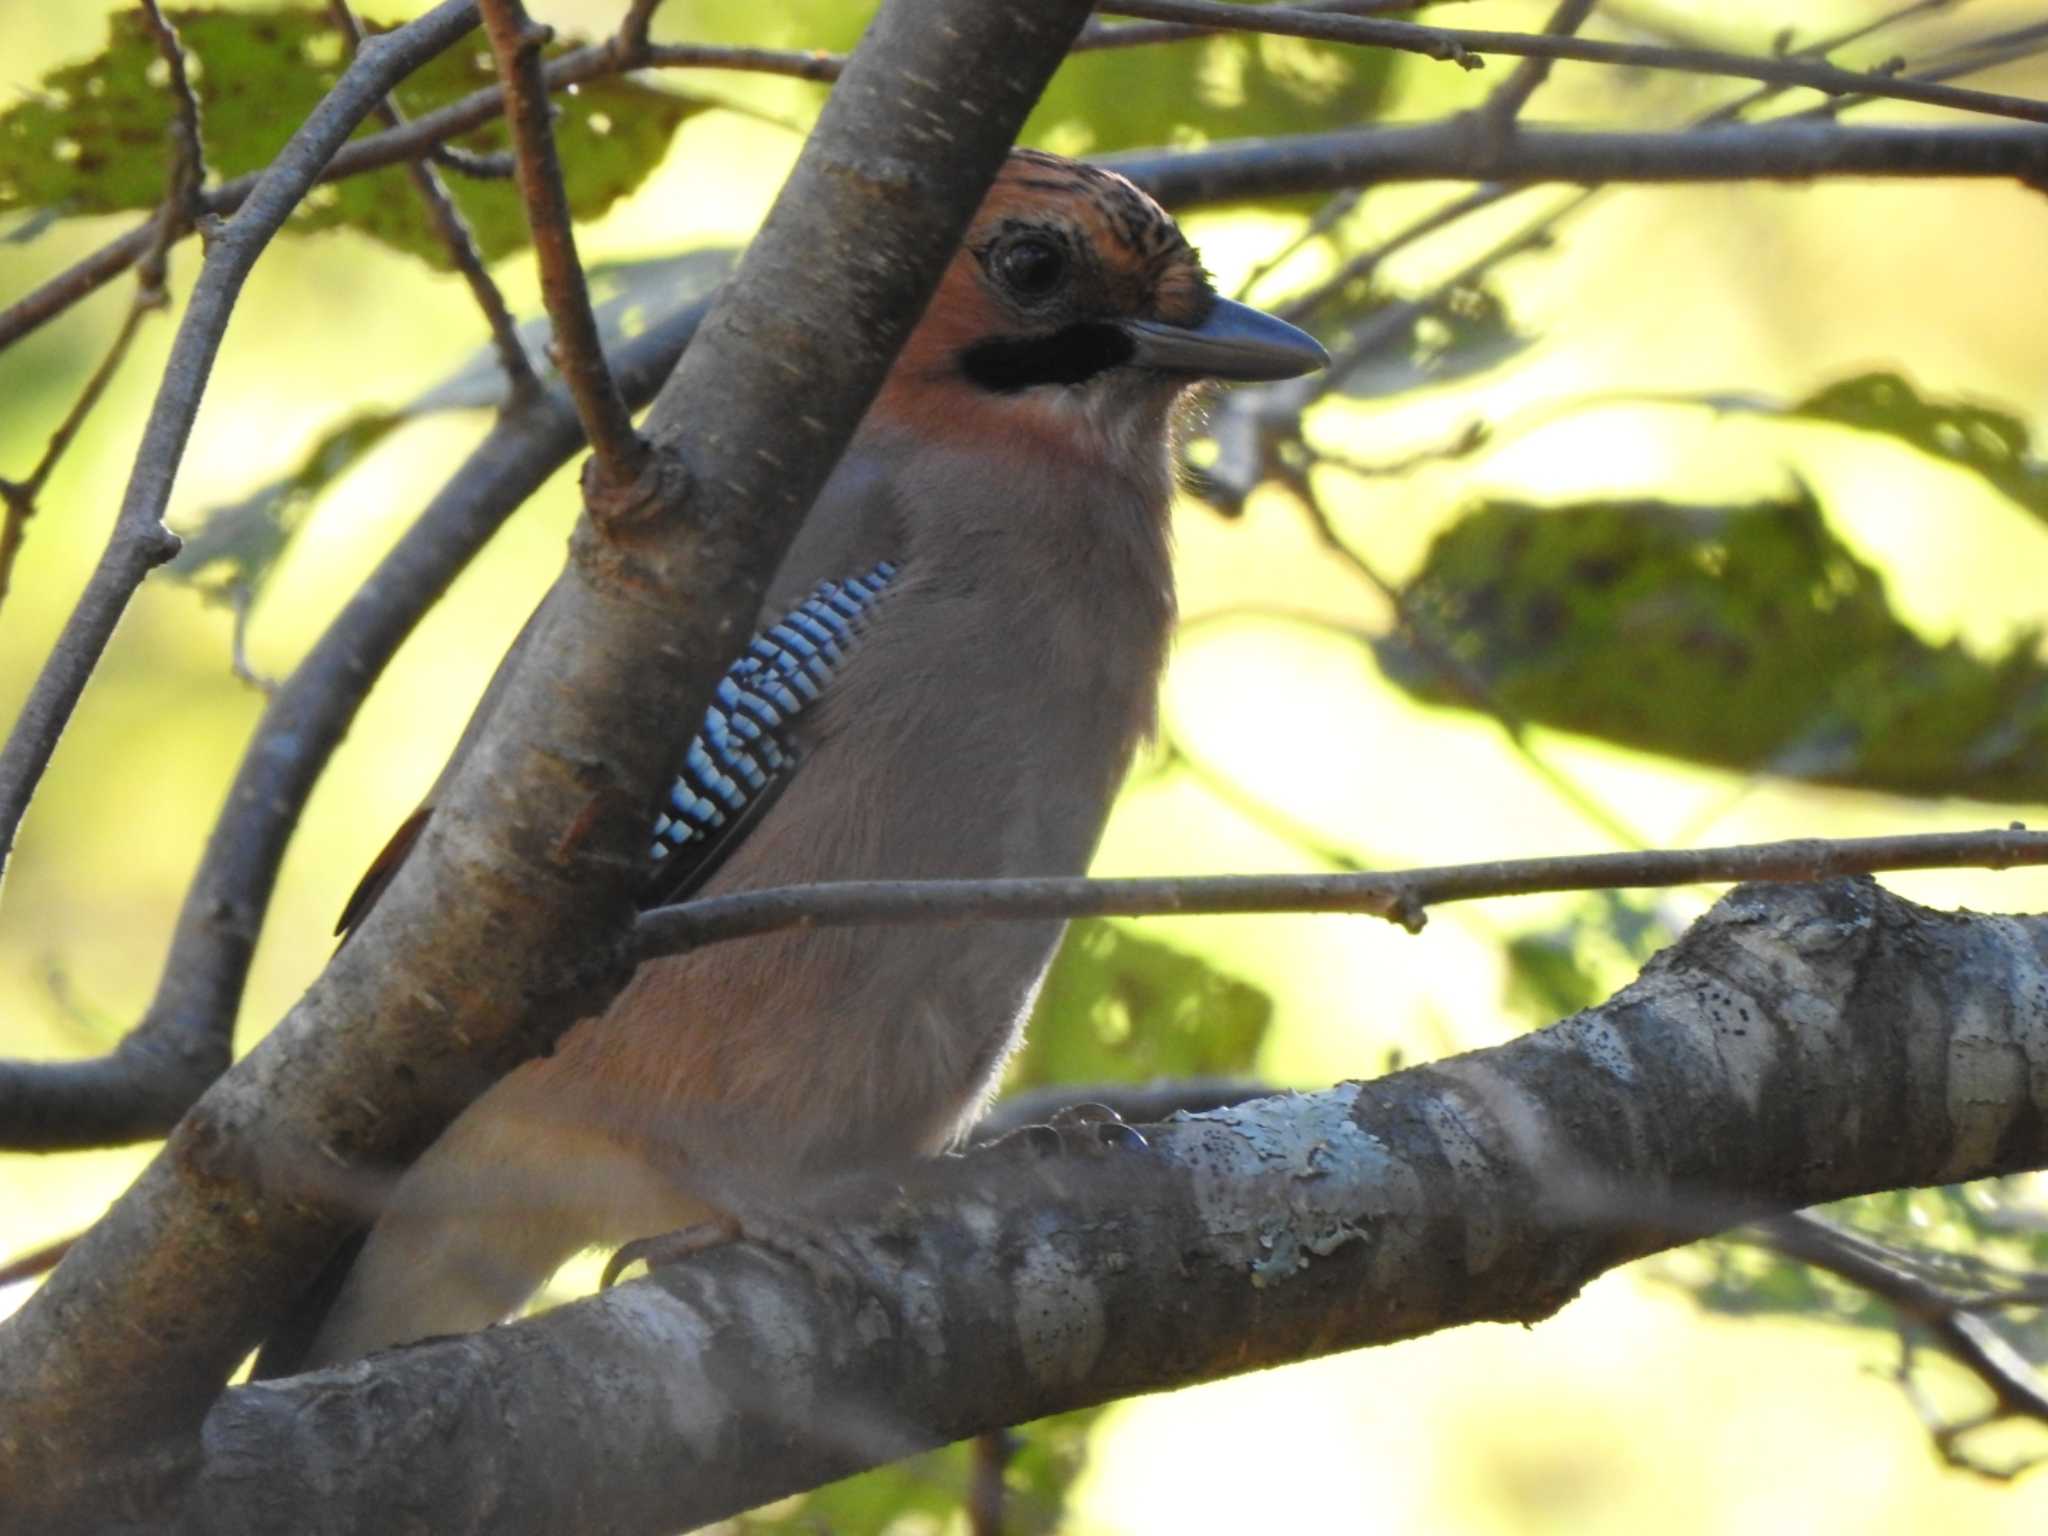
pixel 744 754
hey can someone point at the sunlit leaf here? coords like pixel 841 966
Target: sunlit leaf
pixel 1234 85
pixel 1980 439
pixel 92 137
pixel 1046 1458
pixel 1600 944
pixel 1744 636
pixel 1119 1008
pixel 1453 336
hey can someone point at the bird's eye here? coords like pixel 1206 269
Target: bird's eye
pixel 1030 267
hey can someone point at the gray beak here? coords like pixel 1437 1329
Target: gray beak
pixel 1234 342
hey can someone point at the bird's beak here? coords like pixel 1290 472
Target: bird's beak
pixel 1234 342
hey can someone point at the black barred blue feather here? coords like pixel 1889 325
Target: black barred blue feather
pixel 747 749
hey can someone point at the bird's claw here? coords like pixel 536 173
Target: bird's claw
pixel 805 1242
pixel 1079 1130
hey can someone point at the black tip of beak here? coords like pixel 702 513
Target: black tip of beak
pixel 1235 341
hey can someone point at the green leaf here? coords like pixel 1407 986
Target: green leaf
pixel 1451 336
pixel 1992 444
pixel 1049 1455
pixel 1119 1008
pixel 1599 946
pixel 235 547
pixel 93 138
pixel 1742 636
pixel 1233 85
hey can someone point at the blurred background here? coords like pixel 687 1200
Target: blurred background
pixel 1656 349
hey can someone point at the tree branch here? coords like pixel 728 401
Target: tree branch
pixel 516 42
pixel 1953 1318
pixel 1799 1044
pixel 140 542
pixel 1400 898
pixel 454 232
pixel 1781 151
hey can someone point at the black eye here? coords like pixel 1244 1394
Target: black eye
pixel 1030 267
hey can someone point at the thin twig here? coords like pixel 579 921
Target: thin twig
pixel 174 216
pixel 181 204
pixel 991 1453
pixel 1500 110
pixel 1400 897
pixel 1952 1318
pixel 1465 45
pixel 20 495
pixel 140 542
pixel 578 350
pixel 1098 35
pixel 454 232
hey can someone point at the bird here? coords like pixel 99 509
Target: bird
pixel 971 628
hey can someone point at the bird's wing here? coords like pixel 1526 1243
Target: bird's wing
pixel 751 742
pixel 737 764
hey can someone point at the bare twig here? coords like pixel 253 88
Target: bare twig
pixel 454 232
pixel 1501 109
pixel 181 1043
pixel 992 1453
pixel 516 40
pixel 1142 34
pixel 1465 45
pixel 37 1261
pixel 1953 1318
pixel 20 495
pixel 140 542
pixel 173 218
pixel 1402 897
pixel 188 155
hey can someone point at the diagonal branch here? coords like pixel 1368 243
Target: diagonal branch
pixel 517 41
pixel 454 232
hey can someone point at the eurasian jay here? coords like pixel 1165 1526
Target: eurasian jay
pixel 978 610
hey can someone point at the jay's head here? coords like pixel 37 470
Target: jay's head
pixel 1076 312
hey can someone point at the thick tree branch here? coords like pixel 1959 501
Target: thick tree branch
pixel 1800 1044
pixel 1402 897
pixel 140 542
pixel 182 1043
pixel 512 917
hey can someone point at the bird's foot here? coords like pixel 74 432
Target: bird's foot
pixel 1079 1130
pixel 805 1241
